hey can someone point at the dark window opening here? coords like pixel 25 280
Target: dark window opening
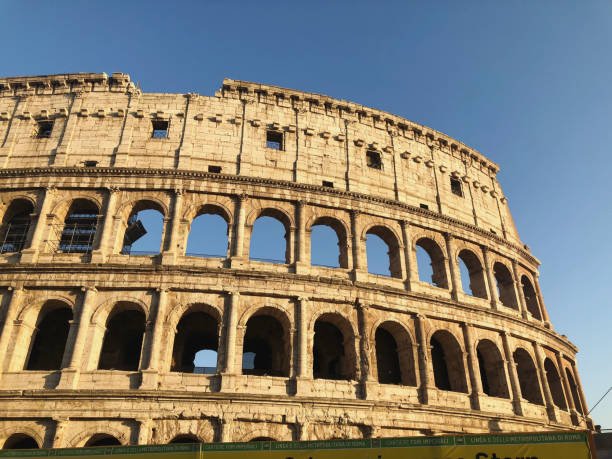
pixel 185 439
pixel 214 169
pixel 196 331
pixel 123 341
pixel 530 298
pixel 527 376
pixel 438 360
pixel 44 129
pixel 373 159
pixel 554 382
pixel 424 206
pixel 274 140
pixel 456 186
pixel 447 361
pixel 574 391
pixel 79 228
pixel 329 359
pixel 472 274
pixel 20 441
pixel 15 227
pixel 266 349
pixel 328 184
pixel 387 358
pixel 91 163
pixel 102 440
pixel 484 380
pixel 160 129
pixel 492 371
pixel 505 285
pixel 50 340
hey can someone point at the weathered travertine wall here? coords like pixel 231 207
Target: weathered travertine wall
pixel 487 340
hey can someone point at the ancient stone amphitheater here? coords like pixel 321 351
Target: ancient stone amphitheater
pixel 98 342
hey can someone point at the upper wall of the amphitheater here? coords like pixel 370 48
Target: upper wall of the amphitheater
pixel 109 120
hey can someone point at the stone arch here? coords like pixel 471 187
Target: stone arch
pixel 186 438
pixel 174 316
pixel 270 211
pixel 126 208
pixel 492 369
pixel 393 241
pixel 527 376
pixel 400 365
pixel 104 309
pixel 20 441
pixel 333 350
pixel 49 338
pixel 32 309
pixel 80 439
pixel 554 383
pixel 531 297
pixel 129 218
pixel 280 215
pixel 267 432
pixel 267 334
pixel 505 285
pixel 342 233
pixel 76 231
pixel 123 338
pixel 476 272
pixel 437 259
pixel 203 209
pixel 61 208
pixel 22 429
pixel 102 439
pixel 209 207
pixel 447 361
pixel 196 329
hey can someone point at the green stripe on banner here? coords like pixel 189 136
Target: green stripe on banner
pixel 521 438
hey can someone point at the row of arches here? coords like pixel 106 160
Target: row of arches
pixel 269 237
pixel 267 349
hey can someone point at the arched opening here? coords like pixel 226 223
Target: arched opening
pixel 196 332
pixel 270 238
pixel 492 372
pixel 472 274
pixel 383 254
pixel 49 341
pixel 185 438
pixel 15 226
pixel 208 233
pixel 447 361
pixel 262 439
pixel 431 263
pixel 144 229
pixel 527 376
pixel 505 285
pixel 531 299
pixel 266 346
pixel 574 390
pixel 554 383
pixel 79 228
pixel 387 358
pixel 123 339
pixel 20 441
pixel 101 439
pixel 333 353
pixel 328 243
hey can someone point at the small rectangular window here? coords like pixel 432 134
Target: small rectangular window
pixel 44 129
pixel 373 159
pixel 160 129
pixel 274 140
pixel 424 206
pixel 91 163
pixel 328 184
pixel 214 169
pixel 456 186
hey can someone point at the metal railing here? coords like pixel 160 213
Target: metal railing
pixel 269 260
pixel 204 255
pixel 205 370
pixel 138 253
pixel 75 237
pixel 13 237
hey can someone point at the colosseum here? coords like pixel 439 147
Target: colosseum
pixel 97 341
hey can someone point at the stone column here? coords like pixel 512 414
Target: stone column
pixel 303 369
pixel 490 279
pixel 239 222
pixel 543 310
pixel 569 397
pixel 227 426
pixel 410 264
pixel 475 381
pixel 583 402
pixel 455 275
pixel 550 405
pixel 514 381
pixel 7 329
pixel 150 374
pixel 227 377
pixel 369 383
pixel 79 329
pixel 169 256
pixel 61 153
pixel 300 263
pixel 425 372
pixel 358 264
pixel 100 255
pixel 518 291
pixel 6 148
pixel 144 431
pixel 30 255
pixel 60 427
pixel 123 149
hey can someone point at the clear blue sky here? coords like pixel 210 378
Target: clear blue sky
pixel 528 84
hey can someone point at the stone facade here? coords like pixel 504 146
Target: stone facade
pixel 415 357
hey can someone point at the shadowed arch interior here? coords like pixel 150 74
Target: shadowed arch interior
pixel 527 376
pixel 328 243
pixel 122 343
pixel 531 298
pixel 20 441
pixel 15 226
pixel 432 252
pixel 474 284
pixel 197 330
pixel 394 357
pixel 185 438
pixel 505 285
pixel 208 233
pixel 79 229
pixel 447 361
pixel 49 340
pixel 376 258
pixel 574 391
pixel 101 439
pixel 333 351
pixel 266 347
pixel 492 371
pixel 554 383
